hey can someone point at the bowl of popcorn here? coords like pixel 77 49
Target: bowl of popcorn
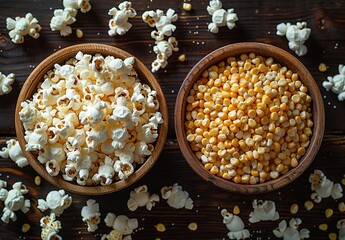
pixel 249 118
pixel 91 119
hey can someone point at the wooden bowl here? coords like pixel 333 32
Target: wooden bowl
pixel 30 87
pixel 279 56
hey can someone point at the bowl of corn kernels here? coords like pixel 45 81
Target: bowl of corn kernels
pixel 249 118
pixel 91 119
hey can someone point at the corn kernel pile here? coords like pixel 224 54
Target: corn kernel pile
pixel 249 119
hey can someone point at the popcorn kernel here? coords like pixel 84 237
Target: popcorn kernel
pixel 160 227
pixel 193 226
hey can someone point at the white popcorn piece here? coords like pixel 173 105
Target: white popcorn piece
pixel 90 214
pixel 341 227
pixel 113 235
pixel 323 187
pixel 176 197
pixel 19 27
pixel 6 82
pixel 50 227
pixel 220 16
pixel 140 197
pixel 296 35
pixel 14 152
pixel 123 169
pixel 82 5
pixel 121 67
pixel 105 173
pixel 119 24
pixel 121 223
pixel 142 150
pixel 235 226
pixel 336 83
pixel 56 201
pixel 14 200
pixel 28 115
pixel 263 211
pixel 291 231
pixel 61 21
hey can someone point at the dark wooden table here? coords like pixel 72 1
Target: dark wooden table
pixel 258 20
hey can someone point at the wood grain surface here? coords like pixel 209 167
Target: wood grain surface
pixel 257 22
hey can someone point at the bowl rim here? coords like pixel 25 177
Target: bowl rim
pixel 285 59
pixel 36 76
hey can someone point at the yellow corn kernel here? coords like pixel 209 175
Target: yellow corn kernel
pixel 332 236
pixel 193 226
pixel 343 181
pixel 323 227
pixel 266 99
pixel 182 58
pixel 38 180
pixel 322 67
pixel 25 228
pixel 294 208
pixel 79 33
pixel 308 205
pixel 160 227
pixel 190 137
pixel 328 212
pixel 341 207
pixel 236 210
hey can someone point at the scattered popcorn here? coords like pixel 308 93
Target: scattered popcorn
pixel 82 5
pixel 140 197
pixel 6 82
pixel 79 33
pixel 341 227
pixel 263 211
pixel 19 27
pixel 308 205
pixel 14 152
pixel 235 226
pixel 119 24
pixel 220 17
pixel 163 23
pixel 323 187
pixel 341 207
pixel 296 35
pixel 176 197
pixel 336 83
pixel 113 235
pixel 291 231
pixel 294 208
pixel 50 227
pixel 92 120
pixel 160 227
pixel 25 228
pixel 56 201
pixel 90 214
pixel 121 224
pixel 193 226
pixel 14 200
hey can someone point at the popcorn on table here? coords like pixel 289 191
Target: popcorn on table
pixel 235 226
pixel 296 35
pixel 122 226
pixel 291 231
pixel 14 200
pixel 56 201
pixel 19 27
pixel 92 120
pixel 176 197
pixel 14 152
pixel 91 215
pixel 336 83
pixel 6 83
pixel 164 27
pixel 140 197
pixel 220 16
pixel 50 227
pixel 323 187
pixel 119 24
pixel 263 211
pixel 341 227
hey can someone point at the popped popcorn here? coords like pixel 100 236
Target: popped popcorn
pixel 263 211
pixel 176 197
pixel 296 35
pixel 92 120
pixel 19 27
pixel 50 227
pixel 90 214
pixel 341 227
pixel 56 201
pixel 121 224
pixel 163 23
pixel 82 5
pixel 323 187
pixel 336 83
pixel 6 82
pixel 235 226
pixel 119 24
pixel 141 197
pixel 220 16
pixel 14 200
pixel 14 152
pixel 291 231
